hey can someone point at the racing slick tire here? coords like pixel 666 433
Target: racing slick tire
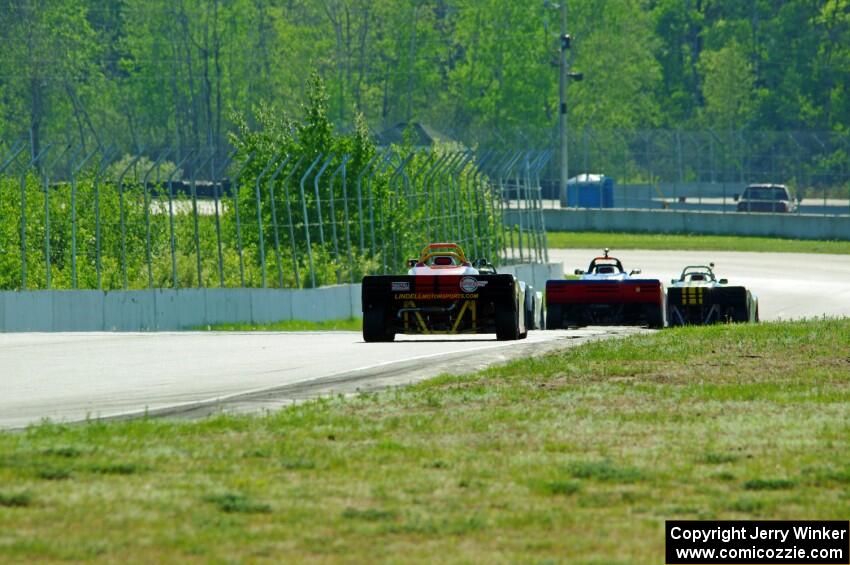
pixel 529 315
pixel 554 317
pixel 655 318
pixel 374 328
pixel 741 314
pixel 507 324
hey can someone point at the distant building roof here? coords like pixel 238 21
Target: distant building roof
pixel 423 136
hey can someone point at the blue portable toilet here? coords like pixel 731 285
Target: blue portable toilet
pixel 590 191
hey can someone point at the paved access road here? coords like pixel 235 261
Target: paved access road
pixel 788 285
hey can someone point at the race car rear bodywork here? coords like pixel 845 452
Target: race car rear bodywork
pixel 601 302
pixel 699 297
pixel 605 295
pixel 710 305
pixel 443 304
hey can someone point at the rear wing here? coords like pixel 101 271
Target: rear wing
pixel 442 250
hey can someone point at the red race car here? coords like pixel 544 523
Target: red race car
pixel 444 293
pixel 605 295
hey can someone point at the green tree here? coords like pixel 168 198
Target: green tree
pixel 729 85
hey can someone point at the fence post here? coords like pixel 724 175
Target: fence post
pixel 170 182
pixel 485 179
pixel 235 189
pixel 537 217
pixel 316 179
pixel 307 220
pixel 444 192
pixel 414 182
pixel 26 169
pixel 121 220
pixel 531 207
pixel 473 189
pixel 76 169
pixel 289 219
pixel 537 204
pixel 471 192
pixel 407 190
pixel 104 163
pixel 380 168
pixel 344 187
pixel 194 188
pixel 336 172
pixel 520 198
pixel 534 252
pixel 451 202
pixel 218 194
pixel 542 221
pixel 260 215
pixel 146 192
pixel 430 196
pixel 273 204
pixel 439 192
pixel 46 185
pixel 460 197
pixel 391 184
pixel 487 209
pixel 360 198
pixel 505 174
pixel 445 181
pixel 429 199
pixel 507 177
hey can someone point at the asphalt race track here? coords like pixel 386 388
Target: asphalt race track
pixel 74 376
pixel 70 377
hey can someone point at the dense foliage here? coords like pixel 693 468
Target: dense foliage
pixel 142 72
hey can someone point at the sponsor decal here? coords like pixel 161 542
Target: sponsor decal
pixel 400 286
pixel 435 296
pixel 469 284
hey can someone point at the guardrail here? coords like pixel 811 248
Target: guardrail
pixel 169 309
pixel 792 226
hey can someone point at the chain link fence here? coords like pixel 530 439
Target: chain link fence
pixel 71 219
pixel 709 170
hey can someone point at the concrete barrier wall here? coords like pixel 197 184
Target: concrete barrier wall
pixel 165 309
pixel 535 274
pixel 624 192
pixel 795 226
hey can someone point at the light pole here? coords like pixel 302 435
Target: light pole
pixel 564 75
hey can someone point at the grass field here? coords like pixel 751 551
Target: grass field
pixel 599 240
pixel 350 324
pixel 573 457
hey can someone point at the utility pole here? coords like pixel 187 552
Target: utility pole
pixel 562 106
pixel 564 75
